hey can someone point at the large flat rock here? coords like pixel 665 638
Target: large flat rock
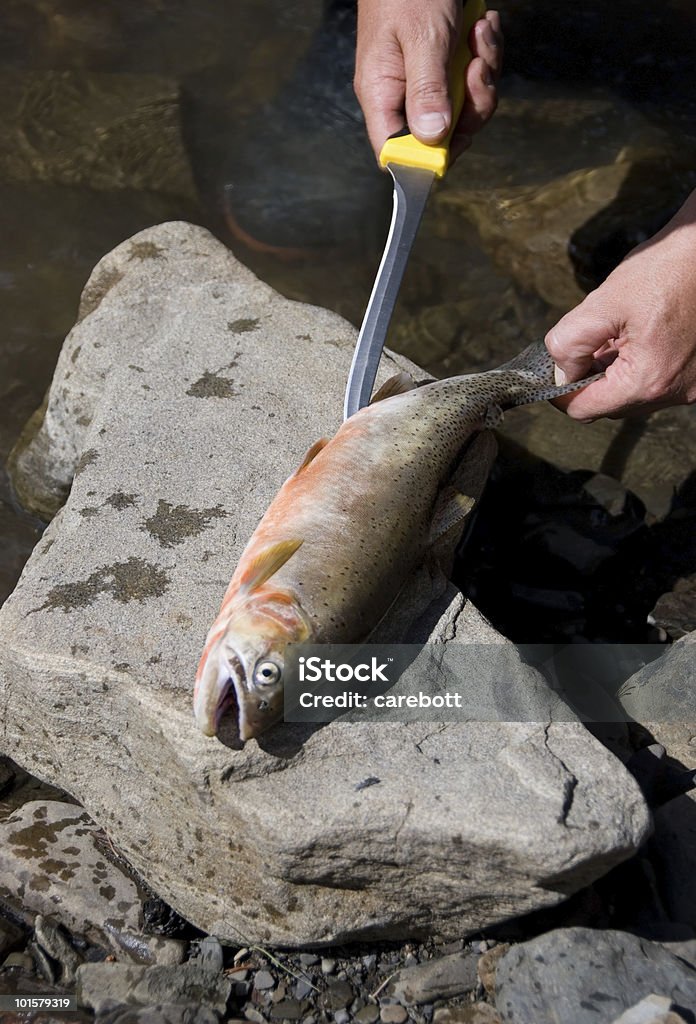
pixel 182 399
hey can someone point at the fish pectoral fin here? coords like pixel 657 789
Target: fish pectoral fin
pixel 399 384
pixel 312 454
pixel 267 563
pixel 451 510
pixel 493 418
pixel 459 497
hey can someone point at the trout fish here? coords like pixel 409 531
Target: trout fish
pixel 348 528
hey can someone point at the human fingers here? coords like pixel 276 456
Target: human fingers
pixel 481 98
pixel 426 62
pixel 479 106
pixel 577 336
pixel 380 84
pixel 487 42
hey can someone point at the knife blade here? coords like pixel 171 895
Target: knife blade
pixel 413 166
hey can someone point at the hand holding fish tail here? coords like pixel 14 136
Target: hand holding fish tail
pixel 640 324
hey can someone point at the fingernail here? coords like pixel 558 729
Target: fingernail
pixel 488 35
pixel 559 376
pixel 487 76
pixel 430 125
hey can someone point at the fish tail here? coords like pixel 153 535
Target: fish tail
pixel 533 370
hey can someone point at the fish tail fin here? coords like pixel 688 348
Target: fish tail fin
pixel 534 369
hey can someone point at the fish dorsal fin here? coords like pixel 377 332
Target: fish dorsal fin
pixel 312 454
pixel 399 384
pixel 267 563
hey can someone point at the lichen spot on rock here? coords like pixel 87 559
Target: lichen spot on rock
pixel 87 458
pixel 121 500
pixel 145 251
pixel 133 580
pixel 173 524
pixel 244 325
pixel 212 385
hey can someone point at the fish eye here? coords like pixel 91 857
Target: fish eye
pixel 266 673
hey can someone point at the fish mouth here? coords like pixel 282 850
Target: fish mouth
pixel 218 692
pixel 223 699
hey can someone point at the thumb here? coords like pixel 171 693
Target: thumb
pixel 575 339
pixel 428 107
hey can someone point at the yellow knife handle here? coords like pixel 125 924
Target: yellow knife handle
pixel 403 148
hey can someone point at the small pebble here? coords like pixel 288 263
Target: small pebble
pixel 208 953
pixel 341 1016
pixel 303 989
pixel 309 959
pixel 368 1014
pixel 252 1014
pixel 288 1009
pixel 410 960
pixel 370 962
pixel 328 966
pixel 263 980
pixel 483 947
pixel 393 1014
pixel 240 954
pixel 280 992
pixel 338 996
pixel 452 947
pixel 22 960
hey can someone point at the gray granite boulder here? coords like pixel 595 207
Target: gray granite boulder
pixel 57 866
pixel 182 399
pixel 582 976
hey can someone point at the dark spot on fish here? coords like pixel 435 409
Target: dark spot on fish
pixel 138 369
pixel 133 580
pixel 83 421
pixel 86 459
pixel 144 251
pixel 88 512
pixel 173 524
pixel 244 325
pixel 107 891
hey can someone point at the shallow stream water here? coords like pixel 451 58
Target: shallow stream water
pixel 240 117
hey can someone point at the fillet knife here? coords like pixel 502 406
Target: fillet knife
pixel 413 166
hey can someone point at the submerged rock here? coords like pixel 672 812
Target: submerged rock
pixel 183 398
pixel 103 131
